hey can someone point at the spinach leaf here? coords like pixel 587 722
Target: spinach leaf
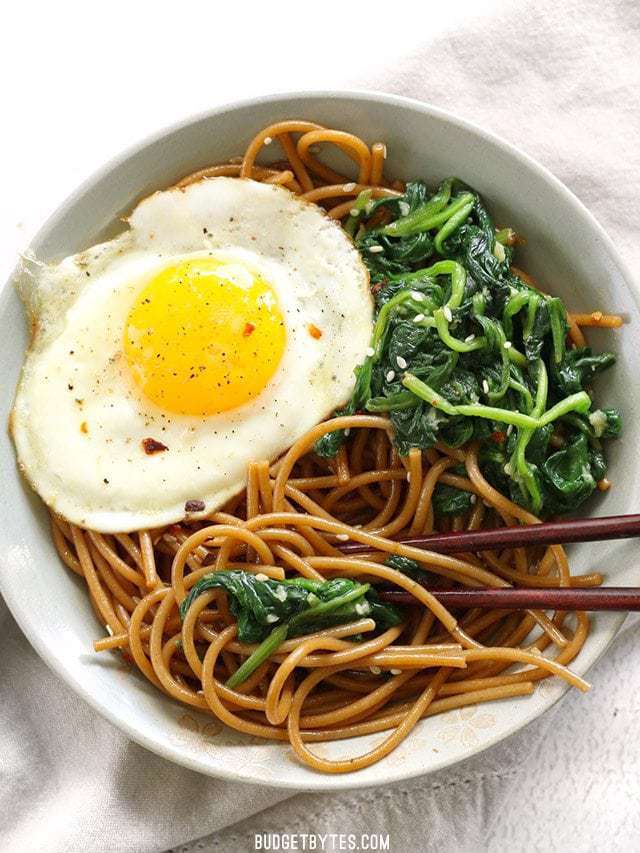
pixel 269 610
pixel 415 427
pixel 579 366
pixel 447 500
pixel 405 566
pixel 568 475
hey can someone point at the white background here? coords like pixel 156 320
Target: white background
pixel 82 81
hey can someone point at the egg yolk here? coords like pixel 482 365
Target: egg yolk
pixel 204 336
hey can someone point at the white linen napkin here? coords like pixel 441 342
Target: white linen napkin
pixel 562 81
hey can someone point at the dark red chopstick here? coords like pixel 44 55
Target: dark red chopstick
pixel 600 598
pixel 548 533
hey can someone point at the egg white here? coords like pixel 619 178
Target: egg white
pixel 75 373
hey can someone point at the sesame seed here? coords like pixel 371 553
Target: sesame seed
pixel 400 361
pixel 268 140
pixel 417 296
pixel 485 386
pixel 375 670
pixel 469 338
pixel 395 671
pixel 473 498
pixel 349 188
pixel 447 313
pixel 509 429
pixel 408 476
pixel 507 344
pixel 347 431
pixel 370 351
pixel 261 577
pixel 404 208
pixel 271 617
pixel 391 375
pixel 384 151
pixel 375 249
pixel 418 318
pixel 343 537
pixel 354 212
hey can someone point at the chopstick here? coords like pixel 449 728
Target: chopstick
pixel 548 533
pixel 559 598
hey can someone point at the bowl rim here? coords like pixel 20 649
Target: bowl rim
pixel 19 611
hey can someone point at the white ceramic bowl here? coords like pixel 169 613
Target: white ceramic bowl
pixel 566 249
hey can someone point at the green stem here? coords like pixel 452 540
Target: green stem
pixel 542 390
pixel 401 400
pixel 454 343
pixel 270 645
pixel 516 357
pixel 458 280
pixel 405 225
pixel 359 205
pixel 513 307
pixel 266 648
pixel 524 392
pixel 451 268
pixel 383 320
pixel 519 459
pixel 429 395
pixel 580 402
pixel 532 309
pixel 400 228
pixel 558 322
pixel 575 402
pixel 493 413
pixel 328 606
pixel 450 226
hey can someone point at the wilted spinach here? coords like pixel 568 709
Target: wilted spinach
pixel 464 349
pixel 269 611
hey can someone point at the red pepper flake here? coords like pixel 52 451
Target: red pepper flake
pixel 194 506
pixel 249 328
pixel 84 427
pixel 314 331
pixel 151 446
pixel 498 437
pixel 378 286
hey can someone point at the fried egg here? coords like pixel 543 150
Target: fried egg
pixel 223 324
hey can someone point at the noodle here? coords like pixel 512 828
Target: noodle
pixel 344 681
